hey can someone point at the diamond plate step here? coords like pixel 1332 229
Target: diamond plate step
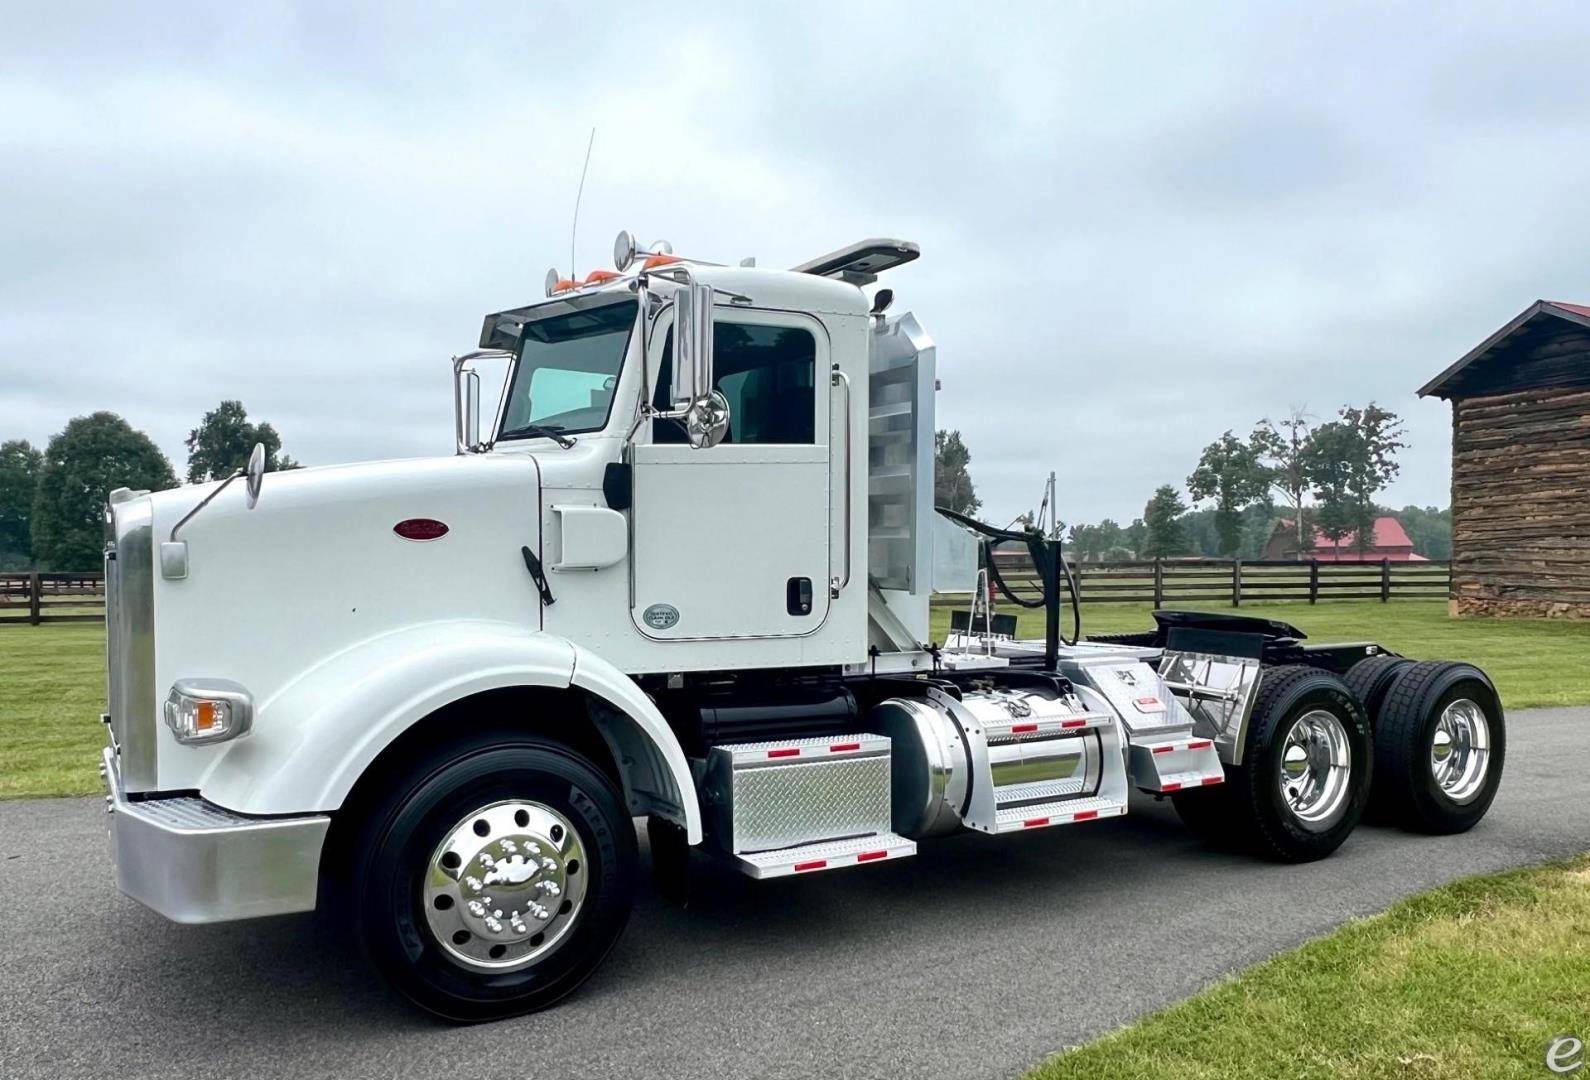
pixel 1183 780
pixel 1064 812
pixel 1164 766
pixel 828 855
pixel 1007 729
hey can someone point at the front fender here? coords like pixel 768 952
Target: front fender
pixel 312 740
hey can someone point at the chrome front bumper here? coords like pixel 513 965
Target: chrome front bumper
pixel 194 862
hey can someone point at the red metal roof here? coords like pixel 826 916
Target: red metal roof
pixel 1576 308
pixel 1391 541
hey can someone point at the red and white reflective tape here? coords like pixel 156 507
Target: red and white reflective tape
pixel 1058 819
pixel 1170 748
pixel 825 864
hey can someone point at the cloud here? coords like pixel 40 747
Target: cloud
pixel 1142 225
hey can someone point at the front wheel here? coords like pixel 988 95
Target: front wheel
pixel 494 880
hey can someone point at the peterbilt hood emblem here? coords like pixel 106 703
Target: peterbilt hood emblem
pixel 420 529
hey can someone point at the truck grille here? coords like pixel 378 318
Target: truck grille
pixel 130 645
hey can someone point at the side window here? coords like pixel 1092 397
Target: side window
pixel 767 373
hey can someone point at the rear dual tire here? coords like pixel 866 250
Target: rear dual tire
pixel 1305 776
pixel 1440 744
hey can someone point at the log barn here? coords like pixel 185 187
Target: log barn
pixel 1521 466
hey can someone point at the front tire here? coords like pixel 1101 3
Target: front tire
pixel 493 880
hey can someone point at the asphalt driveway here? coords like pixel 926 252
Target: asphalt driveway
pixel 976 958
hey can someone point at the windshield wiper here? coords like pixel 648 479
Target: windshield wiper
pixel 548 431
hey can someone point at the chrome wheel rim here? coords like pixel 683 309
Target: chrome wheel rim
pixel 505 886
pixel 1316 769
pixel 1460 750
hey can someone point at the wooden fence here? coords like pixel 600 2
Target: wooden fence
pixel 44 597
pixel 1237 581
pixel 52 598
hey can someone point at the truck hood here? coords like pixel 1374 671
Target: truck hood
pixel 318 567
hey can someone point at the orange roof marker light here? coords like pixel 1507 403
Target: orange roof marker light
pixel 557 283
pixel 600 277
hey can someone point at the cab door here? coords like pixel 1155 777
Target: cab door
pixel 732 541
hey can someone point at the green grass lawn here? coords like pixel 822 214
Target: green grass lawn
pixel 52 690
pixel 1534 661
pixel 1471 980
pixel 52 679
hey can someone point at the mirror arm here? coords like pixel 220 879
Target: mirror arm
pixel 202 504
pixel 458 394
pixel 458 404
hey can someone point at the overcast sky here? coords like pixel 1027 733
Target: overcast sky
pixel 1140 225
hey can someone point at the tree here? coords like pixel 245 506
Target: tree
pixel 1230 474
pixel 1350 460
pixel 1163 532
pixel 1111 540
pixel 1134 536
pixel 82 465
pixel 222 442
pixel 1097 543
pixel 19 477
pixel 1283 448
pixel 952 478
pixel 1430 529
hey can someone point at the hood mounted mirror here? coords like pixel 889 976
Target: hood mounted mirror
pixel 254 475
pixel 174 552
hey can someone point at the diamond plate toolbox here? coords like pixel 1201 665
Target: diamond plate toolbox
pixel 770 795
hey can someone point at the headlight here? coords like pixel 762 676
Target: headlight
pixel 208 710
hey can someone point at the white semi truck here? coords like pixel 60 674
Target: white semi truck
pixel 682 573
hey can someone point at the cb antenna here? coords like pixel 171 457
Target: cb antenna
pixel 574 229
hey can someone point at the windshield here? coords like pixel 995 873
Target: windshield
pixel 567 371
